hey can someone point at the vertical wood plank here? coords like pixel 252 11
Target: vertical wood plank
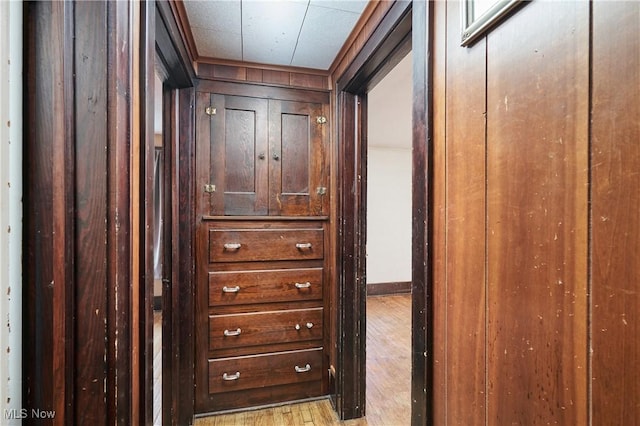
pixel 44 110
pixel 184 293
pixel 142 70
pixel 537 161
pixel 91 207
pixel 439 211
pixel 615 216
pixel 465 224
pixel 422 339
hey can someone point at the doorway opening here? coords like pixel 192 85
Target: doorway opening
pixel 406 27
pixel 388 212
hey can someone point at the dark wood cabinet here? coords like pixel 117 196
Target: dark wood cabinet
pixel 261 156
pixel 262 213
pixel 261 313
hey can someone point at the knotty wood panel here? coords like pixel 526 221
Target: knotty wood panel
pixel 616 213
pixel 537 164
pixel 465 224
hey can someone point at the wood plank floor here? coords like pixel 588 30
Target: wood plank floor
pixel 388 378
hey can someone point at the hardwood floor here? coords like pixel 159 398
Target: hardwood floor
pixel 388 378
pixel 389 360
pixel 157 368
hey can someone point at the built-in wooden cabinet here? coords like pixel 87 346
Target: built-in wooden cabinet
pixel 261 156
pixel 262 208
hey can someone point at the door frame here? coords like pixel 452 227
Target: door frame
pixel 178 97
pixel 406 26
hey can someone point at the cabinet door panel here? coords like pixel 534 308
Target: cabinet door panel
pixel 236 162
pixel 296 168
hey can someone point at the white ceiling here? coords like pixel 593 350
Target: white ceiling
pixel 389 108
pixel 299 33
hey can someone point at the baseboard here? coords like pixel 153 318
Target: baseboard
pixel 381 289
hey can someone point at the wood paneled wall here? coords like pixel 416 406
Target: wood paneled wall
pixel 537 205
pixel 82 356
pixel 278 76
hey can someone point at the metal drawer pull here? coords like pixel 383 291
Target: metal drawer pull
pixel 232 246
pixel 303 285
pixel 229 377
pixel 303 246
pixel 300 369
pixel 231 289
pixel 232 332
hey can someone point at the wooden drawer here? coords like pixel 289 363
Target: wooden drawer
pixel 264 328
pixel 244 245
pixel 258 371
pixel 278 285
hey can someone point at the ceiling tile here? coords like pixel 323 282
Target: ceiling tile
pixel 323 33
pixel 215 26
pixel 356 6
pixel 217 44
pixel 221 15
pixel 270 30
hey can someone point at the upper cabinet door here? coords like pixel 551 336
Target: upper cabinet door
pixel 232 154
pixel 258 157
pixel 297 175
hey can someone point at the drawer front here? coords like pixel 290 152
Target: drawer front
pixel 258 371
pixel 279 285
pixel 245 245
pixel 264 328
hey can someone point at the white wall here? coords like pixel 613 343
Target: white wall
pixel 388 215
pixel 10 208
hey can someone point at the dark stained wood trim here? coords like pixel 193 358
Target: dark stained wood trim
pixel 175 59
pixel 422 261
pixel 253 65
pixel 350 366
pixel 171 47
pixel 389 40
pixel 77 302
pixel 382 289
pixel 48 243
pixel 94 394
pixel 262 91
pixel 387 44
pixel 184 300
pixel 145 123
pixel 178 10
pixel 169 258
pixel 285 78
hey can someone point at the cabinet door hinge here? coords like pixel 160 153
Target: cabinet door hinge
pixel 209 188
pixel 321 119
pixel 210 110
